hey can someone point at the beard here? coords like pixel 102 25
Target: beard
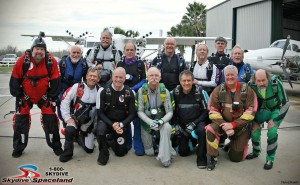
pixel 38 57
pixel 262 88
pixel 74 60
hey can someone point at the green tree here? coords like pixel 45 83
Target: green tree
pixel 128 33
pixel 180 30
pixel 192 24
pixel 131 33
pixel 9 50
pixel 196 18
pixel 119 30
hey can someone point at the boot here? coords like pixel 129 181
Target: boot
pixel 68 152
pixel 103 150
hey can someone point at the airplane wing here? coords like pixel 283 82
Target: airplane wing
pixel 188 41
pixel 56 37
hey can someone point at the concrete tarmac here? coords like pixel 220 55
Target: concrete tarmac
pixel 131 169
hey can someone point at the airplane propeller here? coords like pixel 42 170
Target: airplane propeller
pixel 284 61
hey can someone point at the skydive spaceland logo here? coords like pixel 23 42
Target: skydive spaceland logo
pixel 30 175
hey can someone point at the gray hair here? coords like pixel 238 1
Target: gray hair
pixel 186 73
pixel 221 39
pixel 130 42
pixel 203 45
pixel 153 69
pixel 76 46
pixel 170 38
pixel 231 67
pixel 106 31
pixel 121 69
pixel 235 47
pixel 92 70
pixel 267 74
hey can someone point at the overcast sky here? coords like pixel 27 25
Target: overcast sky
pixel 56 16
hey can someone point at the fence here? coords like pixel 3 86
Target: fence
pixel 7 63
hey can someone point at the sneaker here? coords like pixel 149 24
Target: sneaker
pixel 222 141
pixel 167 163
pixel 268 165
pixel 226 147
pixel 103 157
pixel 65 158
pixel 202 164
pixel 58 151
pixel 139 153
pixel 17 154
pixel 251 156
pixel 212 163
pixel 222 144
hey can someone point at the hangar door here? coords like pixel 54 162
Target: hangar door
pixel 253 25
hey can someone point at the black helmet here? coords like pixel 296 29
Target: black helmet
pixel 39 42
pixel 105 76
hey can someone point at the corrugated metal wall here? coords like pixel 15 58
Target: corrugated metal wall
pixel 253 25
pixel 219 21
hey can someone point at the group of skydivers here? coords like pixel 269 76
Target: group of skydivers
pixel 172 108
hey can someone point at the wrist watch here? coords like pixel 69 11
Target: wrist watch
pixel 121 125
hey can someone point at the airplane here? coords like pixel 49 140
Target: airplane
pixel 89 41
pixel 282 58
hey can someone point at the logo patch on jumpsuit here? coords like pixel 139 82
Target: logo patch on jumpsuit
pixel 121 98
pixel 120 140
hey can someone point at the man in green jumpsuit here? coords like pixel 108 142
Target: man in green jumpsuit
pixel 272 108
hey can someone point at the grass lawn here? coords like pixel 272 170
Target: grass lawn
pixel 5 69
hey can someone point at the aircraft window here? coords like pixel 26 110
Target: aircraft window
pixel 295 47
pixel 91 44
pixel 279 44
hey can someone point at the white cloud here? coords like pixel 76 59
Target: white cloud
pixel 56 16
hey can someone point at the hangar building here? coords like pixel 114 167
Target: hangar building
pixel 253 24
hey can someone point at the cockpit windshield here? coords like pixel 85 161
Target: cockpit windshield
pixel 280 44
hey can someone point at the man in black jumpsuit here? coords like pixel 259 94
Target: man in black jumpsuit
pixel 115 111
pixel 169 64
pixel 220 58
pixel 190 116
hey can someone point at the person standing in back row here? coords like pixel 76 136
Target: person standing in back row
pixel 220 58
pixel 170 64
pixel 105 55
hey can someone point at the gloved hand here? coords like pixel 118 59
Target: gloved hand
pixel 160 122
pixel 129 77
pixel 71 122
pixel 43 101
pixel 178 130
pixel 18 104
pixel 54 101
pixel 190 127
pixel 154 125
pixel 26 100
